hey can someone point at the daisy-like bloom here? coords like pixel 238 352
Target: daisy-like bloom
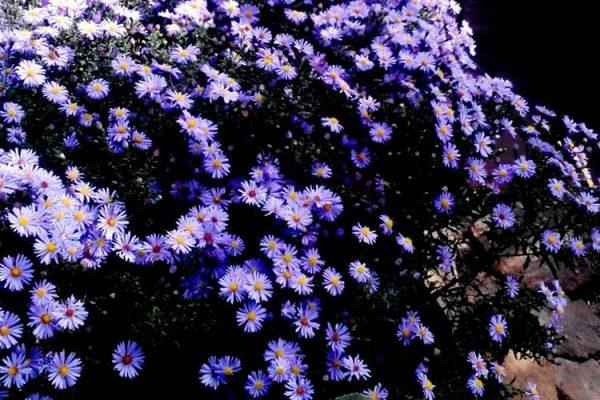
pixel 356 368
pixel 321 170
pixel 364 234
pixel 97 89
pixel 217 166
pixel 426 385
pixel 476 169
pixel 257 384
pixel 576 245
pixel 305 322
pixel 209 376
pixel 482 144
pixel 361 159
pixel 503 216
pixel 123 65
pixel 31 73
pixel 524 168
pixel 557 188
pixel 333 124
pixel 15 272
pixel 55 92
pixel 332 281
pixel 380 132
pixel 12 113
pixel 497 328
pixel 232 285
pixel 311 261
pixel 503 174
pixel 299 389
pixel 112 219
pixel 11 329
pixel 531 392
pixel 444 132
pixel 71 314
pixel 251 317
pixel 405 332
pixel 42 321
pixel 450 156
pixel 301 284
pixel 444 202
pixel 386 225
pixel 180 241
pixel 338 337
pixel 63 370
pixel 551 241
pixel 499 371
pixel 377 393
pixel 43 293
pixel 228 366
pixel 184 55
pixel 15 370
pixel 476 385
pixel 406 243
pixel 252 194
pixel 595 238
pixel 359 271
pixel 478 364
pixel 589 201
pixel 128 359
pixel 279 370
pixel 512 286
pixel 25 221
pixel 297 216
pixel 334 366
pixel 423 333
pixel 258 287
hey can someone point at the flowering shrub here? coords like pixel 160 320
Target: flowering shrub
pixel 275 198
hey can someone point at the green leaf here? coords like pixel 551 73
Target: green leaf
pixel 353 396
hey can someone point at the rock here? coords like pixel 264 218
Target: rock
pixel 535 274
pixel 526 369
pixel 485 283
pixel 582 331
pixel 578 381
pixel 573 278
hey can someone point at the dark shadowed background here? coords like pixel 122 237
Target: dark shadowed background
pixel 549 49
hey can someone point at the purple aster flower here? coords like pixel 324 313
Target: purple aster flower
pixel 97 89
pixel 15 370
pixel 257 384
pixel 478 364
pixel 16 272
pixel 551 241
pixel 356 368
pixel 476 385
pixel 299 389
pixel 64 370
pixel 499 371
pixel 444 202
pixel 497 328
pixel 128 359
pixel 512 287
pixel 577 246
pixel 503 216
pixel 524 168
pixel 361 159
pixel 476 169
pixel 11 329
pixel 251 317
pixel 338 337
pixel 426 385
pixel 450 156
pixel 406 243
pixel 557 188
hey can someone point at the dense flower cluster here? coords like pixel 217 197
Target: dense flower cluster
pixel 343 92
